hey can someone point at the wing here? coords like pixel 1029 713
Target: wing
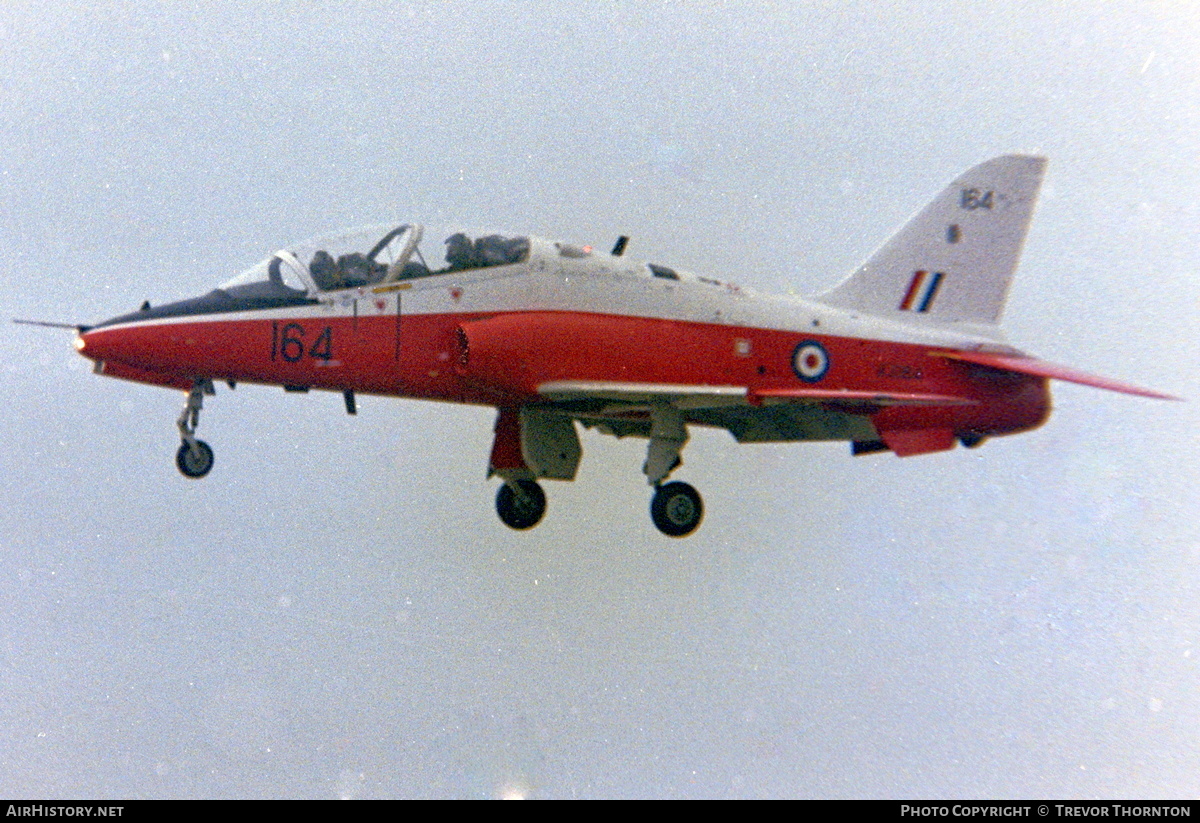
pixel 757 416
pixel 702 397
pixel 856 399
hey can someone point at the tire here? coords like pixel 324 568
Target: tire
pixel 676 509
pixel 195 460
pixel 521 511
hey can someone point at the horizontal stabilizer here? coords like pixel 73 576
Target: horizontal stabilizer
pixel 1040 368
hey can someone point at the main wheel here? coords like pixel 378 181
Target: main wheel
pixel 676 509
pixel 194 459
pixel 521 508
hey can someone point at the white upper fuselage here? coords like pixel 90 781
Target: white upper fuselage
pixel 561 277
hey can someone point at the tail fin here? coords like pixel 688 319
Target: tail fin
pixel 954 260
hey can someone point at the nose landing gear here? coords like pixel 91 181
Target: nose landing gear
pixel 195 457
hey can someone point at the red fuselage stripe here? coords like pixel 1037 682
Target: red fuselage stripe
pixel 501 359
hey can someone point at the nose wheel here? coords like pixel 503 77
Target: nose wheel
pixel 521 504
pixel 676 509
pixel 195 457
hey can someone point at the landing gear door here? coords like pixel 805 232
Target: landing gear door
pixel 549 443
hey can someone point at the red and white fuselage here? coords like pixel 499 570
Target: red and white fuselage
pixel 588 325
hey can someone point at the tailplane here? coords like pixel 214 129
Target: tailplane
pixel 953 261
pixel 1023 364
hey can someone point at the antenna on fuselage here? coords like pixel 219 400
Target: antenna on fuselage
pixel 619 248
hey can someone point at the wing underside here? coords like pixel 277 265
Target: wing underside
pixel 752 416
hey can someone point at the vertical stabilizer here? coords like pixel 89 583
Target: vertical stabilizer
pixel 954 260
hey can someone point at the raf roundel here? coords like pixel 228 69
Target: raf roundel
pixel 810 361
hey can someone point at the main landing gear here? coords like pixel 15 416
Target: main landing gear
pixel 521 504
pixel 676 508
pixel 195 457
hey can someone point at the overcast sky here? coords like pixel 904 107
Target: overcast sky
pixel 336 611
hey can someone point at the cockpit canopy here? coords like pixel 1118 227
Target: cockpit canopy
pixel 377 254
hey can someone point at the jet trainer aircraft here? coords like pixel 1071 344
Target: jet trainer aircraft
pixel 906 354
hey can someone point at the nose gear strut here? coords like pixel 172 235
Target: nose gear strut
pixel 195 457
